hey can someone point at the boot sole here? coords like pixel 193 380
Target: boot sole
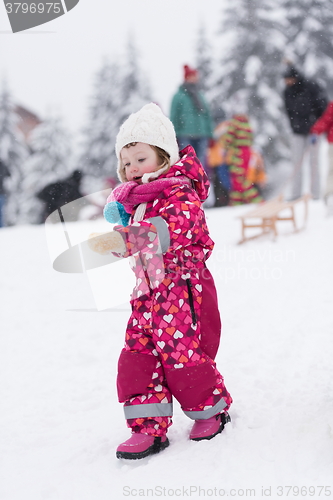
pixel 225 418
pixel 156 447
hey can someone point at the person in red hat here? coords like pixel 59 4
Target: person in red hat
pixel 190 115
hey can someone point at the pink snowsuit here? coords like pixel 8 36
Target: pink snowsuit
pixel 173 334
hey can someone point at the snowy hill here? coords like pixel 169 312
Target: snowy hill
pixel 60 419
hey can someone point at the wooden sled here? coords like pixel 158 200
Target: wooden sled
pixel 268 213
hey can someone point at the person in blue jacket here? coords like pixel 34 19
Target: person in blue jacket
pixel 190 115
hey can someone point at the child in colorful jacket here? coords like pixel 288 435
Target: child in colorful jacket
pixel 238 141
pixel 173 334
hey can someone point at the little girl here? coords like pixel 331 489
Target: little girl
pixel 173 334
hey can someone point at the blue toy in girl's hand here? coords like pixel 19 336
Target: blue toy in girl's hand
pixel 115 213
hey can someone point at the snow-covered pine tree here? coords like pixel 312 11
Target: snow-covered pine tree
pixel 204 58
pixel 49 161
pixel 136 91
pixel 13 152
pixel 204 64
pixel 97 159
pixel 309 33
pixel 251 44
pixel 118 92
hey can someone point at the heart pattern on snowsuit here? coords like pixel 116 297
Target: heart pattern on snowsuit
pixel 168 322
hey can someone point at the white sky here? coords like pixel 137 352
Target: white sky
pixel 50 68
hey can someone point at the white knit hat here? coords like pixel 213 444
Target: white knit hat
pixel 150 126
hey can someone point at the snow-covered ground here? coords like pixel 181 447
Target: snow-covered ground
pixel 60 420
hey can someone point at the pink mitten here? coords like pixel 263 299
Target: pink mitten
pixel 106 243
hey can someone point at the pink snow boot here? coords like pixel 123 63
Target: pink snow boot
pixel 141 445
pixel 207 429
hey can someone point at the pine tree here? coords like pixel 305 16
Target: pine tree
pixel 118 92
pixel 13 152
pixel 204 65
pixel 136 92
pixel 251 45
pixel 309 32
pixel 204 59
pixel 49 161
pixel 97 159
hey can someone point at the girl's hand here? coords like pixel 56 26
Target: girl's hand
pixel 106 243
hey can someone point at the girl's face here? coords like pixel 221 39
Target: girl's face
pixel 138 160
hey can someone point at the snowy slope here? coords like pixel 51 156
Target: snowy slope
pixel 60 420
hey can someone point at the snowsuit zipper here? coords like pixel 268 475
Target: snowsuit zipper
pixel 190 298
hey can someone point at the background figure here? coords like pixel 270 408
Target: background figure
pixel 325 125
pixel 238 141
pixel 4 172
pixel 59 193
pixel 97 200
pixel 191 116
pixel 217 161
pixel 305 102
pixel 256 173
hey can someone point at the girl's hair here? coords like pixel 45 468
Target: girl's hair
pixel 162 156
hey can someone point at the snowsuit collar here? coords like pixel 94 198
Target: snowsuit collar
pixel 190 166
pixel 130 194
